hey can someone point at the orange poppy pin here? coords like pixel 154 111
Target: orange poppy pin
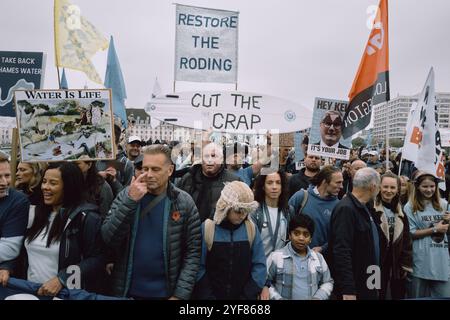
pixel 176 216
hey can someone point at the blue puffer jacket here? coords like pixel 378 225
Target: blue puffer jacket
pixel 232 269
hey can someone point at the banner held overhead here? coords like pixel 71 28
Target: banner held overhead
pixel 206 48
pixel 230 111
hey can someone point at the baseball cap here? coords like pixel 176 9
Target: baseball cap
pixel 132 139
pixel 373 153
pixel 364 152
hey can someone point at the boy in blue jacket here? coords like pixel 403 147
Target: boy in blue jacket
pixel 296 272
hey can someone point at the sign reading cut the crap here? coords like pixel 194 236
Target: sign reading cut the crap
pixel 230 111
pixel 326 130
pixel 206 45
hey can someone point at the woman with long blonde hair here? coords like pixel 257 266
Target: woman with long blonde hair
pixel 428 219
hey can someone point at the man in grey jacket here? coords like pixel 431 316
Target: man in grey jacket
pixel 154 228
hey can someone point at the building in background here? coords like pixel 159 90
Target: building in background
pixel 140 124
pixel 6 127
pixel 393 115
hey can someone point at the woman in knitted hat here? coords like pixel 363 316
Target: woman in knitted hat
pixel 233 264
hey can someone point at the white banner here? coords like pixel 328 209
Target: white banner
pixel 206 45
pixel 425 133
pixel 230 111
pixel 410 146
pixel 445 137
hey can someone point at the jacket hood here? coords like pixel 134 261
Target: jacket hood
pixel 317 196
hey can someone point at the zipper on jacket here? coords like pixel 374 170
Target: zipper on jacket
pixel 231 263
pixel 66 253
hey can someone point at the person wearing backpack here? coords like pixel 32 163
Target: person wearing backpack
pixel 233 264
pixel 64 236
pixel 321 198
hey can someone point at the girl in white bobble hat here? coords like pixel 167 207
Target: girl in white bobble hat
pixel 233 263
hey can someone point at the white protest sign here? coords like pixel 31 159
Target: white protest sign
pixel 206 45
pixel 326 130
pixel 230 111
pixel 445 137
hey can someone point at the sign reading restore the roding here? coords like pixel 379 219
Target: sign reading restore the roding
pixel 206 46
pixel 230 111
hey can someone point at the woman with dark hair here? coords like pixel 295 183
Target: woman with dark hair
pixel 395 239
pixel 273 213
pixel 96 190
pixel 428 220
pixel 64 233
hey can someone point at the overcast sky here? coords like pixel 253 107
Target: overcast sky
pixel 293 49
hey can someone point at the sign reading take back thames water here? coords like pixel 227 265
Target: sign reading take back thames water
pixel 18 70
pixel 206 45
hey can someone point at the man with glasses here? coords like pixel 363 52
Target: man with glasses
pixel 331 130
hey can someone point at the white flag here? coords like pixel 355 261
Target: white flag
pixel 410 147
pixel 425 133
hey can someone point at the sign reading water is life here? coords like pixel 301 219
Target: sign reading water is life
pixel 206 45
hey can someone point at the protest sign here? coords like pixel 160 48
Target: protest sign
pixel 18 70
pixel 326 130
pixel 57 125
pixel 230 111
pixel 206 46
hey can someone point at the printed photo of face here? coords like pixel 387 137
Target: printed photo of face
pixel 331 128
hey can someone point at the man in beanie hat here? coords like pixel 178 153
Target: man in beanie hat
pixel 233 238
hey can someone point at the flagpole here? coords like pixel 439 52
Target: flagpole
pixel 59 77
pixel 387 146
pixel 55 14
pixel 400 166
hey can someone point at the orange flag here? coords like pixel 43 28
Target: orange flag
pixel 371 84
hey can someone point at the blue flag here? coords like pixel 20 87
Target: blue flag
pixel 63 84
pixel 114 80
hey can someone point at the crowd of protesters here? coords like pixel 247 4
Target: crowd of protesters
pixel 160 222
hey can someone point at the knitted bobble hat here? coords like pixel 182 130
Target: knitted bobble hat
pixel 235 196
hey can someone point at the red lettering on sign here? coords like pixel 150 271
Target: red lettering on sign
pixel 440 171
pixel 416 136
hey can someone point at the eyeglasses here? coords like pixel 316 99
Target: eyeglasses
pixel 337 123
